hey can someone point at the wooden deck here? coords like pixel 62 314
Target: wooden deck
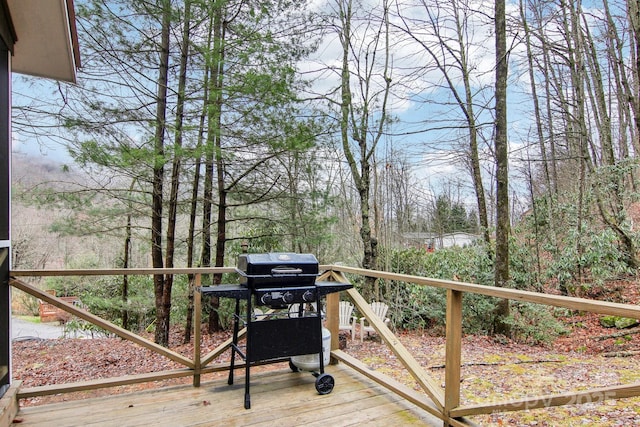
pixel 278 398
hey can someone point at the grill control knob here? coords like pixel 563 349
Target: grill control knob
pixel 266 299
pixel 287 297
pixel 308 296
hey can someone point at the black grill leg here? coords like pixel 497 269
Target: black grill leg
pixel 247 401
pixel 321 354
pixel 236 321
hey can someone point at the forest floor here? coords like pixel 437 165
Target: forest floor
pixel 494 368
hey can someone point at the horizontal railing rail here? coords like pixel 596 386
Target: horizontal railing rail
pixel 443 403
pixel 574 303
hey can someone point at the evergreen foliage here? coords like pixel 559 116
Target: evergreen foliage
pixel 424 307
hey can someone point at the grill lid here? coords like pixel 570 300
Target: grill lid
pixel 277 269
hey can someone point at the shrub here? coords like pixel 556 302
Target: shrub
pixel 599 261
pixel 102 296
pixel 416 307
pixel 534 324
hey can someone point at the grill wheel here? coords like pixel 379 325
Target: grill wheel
pixel 324 383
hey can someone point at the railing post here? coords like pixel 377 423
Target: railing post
pixel 453 352
pixel 197 336
pixel 333 307
pixel 332 322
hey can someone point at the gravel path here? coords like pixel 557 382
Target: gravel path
pixel 24 330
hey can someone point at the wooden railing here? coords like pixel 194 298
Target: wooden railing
pixel 448 402
pixel 444 404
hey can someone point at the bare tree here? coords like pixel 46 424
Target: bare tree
pixel 361 127
pixel 448 45
pixel 610 200
pixel 634 98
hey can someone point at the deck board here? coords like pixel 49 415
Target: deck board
pixel 278 397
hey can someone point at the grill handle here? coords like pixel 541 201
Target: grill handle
pixel 285 270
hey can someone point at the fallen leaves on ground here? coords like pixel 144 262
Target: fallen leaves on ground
pixel 496 370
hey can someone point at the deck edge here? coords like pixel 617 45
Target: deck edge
pixel 9 406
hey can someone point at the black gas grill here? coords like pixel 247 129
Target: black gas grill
pixel 279 281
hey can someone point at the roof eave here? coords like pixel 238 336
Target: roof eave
pixel 46 39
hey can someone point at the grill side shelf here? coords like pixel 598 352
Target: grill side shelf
pixel 325 288
pixel 226 291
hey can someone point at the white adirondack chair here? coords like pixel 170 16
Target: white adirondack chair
pixel 380 309
pixel 294 309
pixel 347 319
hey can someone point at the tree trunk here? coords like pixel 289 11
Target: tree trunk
pixel 627 107
pixel 535 98
pixel 581 137
pixel 177 151
pixel 125 278
pixel 355 126
pixel 634 17
pixel 215 120
pixel 502 167
pixel 162 294
pixel 190 249
pixel 214 141
pixel 194 196
pixel 548 180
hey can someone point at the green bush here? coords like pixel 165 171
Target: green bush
pixel 102 296
pixel 534 323
pixel 419 307
pixel 561 246
pixel 599 261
